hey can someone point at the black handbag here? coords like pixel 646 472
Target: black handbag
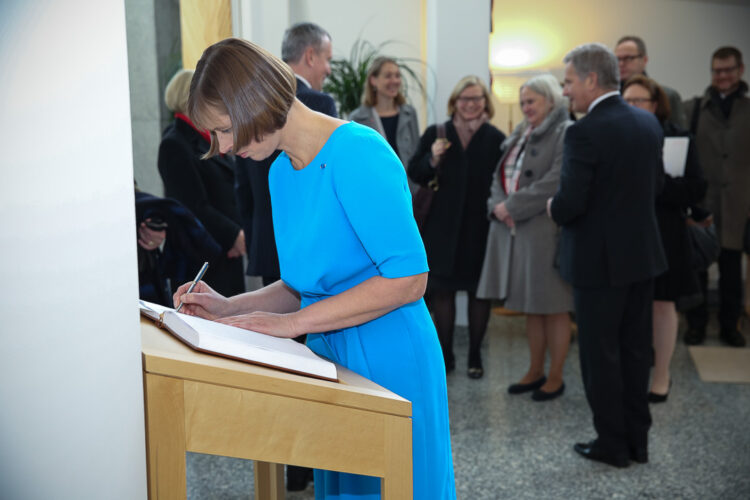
pixel 422 200
pixel 704 244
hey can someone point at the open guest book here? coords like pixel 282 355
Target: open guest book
pixel 243 345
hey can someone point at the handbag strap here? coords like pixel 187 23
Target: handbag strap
pixel 440 135
pixel 696 113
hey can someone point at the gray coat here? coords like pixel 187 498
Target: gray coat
pixel 519 268
pixel 407 131
pixel 724 154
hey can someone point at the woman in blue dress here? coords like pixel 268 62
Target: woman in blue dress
pixel 353 267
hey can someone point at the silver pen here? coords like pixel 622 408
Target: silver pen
pixel 198 277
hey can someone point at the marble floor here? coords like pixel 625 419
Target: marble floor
pixel 510 447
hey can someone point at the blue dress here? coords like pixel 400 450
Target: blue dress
pixel 341 220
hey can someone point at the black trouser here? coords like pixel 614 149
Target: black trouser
pixel 615 336
pixel 730 293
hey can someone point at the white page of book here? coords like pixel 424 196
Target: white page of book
pixel 675 155
pixel 233 341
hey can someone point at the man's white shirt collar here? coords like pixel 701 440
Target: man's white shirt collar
pixel 601 98
pixel 302 79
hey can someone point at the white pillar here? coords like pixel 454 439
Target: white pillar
pixel 71 398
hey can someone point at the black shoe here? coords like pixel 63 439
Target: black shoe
pixel 638 455
pixel 540 395
pixel 592 452
pixel 659 398
pixel 695 336
pixel 475 372
pixel 450 364
pixel 732 337
pixel 521 388
pixel 297 478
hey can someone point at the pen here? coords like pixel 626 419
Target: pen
pixel 195 281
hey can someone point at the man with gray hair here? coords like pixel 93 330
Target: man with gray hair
pixel 306 48
pixel 610 249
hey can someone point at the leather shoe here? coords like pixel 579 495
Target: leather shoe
pixel 639 455
pixel 521 388
pixel 732 337
pixel 654 397
pixel 592 452
pixel 695 336
pixel 297 478
pixel 540 395
pixel 475 372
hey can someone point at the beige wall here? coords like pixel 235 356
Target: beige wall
pixel 680 35
pixel 202 24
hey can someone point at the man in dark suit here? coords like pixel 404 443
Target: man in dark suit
pixel 610 249
pixel 306 48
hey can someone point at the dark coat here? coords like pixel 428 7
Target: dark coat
pixel 455 233
pixel 205 187
pixel 254 199
pixel 611 174
pixel 671 212
pixel 723 145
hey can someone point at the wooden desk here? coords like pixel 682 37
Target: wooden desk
pixel 208 404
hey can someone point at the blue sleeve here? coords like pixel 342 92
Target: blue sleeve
pixel 370 183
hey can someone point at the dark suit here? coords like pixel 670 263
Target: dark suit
pixel 205 188
pixel 610 250
pixel 254 200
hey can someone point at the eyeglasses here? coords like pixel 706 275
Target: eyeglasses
pixel 627 59
pixel 638 100
pixel 726 71
pixel 471 99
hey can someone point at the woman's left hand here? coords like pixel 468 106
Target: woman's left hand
pixel 276 325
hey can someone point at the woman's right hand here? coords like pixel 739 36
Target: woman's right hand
pixel 438 149
pixel 203 301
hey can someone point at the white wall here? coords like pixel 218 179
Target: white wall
pixel 71 402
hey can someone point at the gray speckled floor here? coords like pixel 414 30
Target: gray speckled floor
pixel 512 447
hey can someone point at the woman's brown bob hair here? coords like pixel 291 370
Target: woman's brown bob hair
pixel 655 91
pixel 462 85
pixel 370 95
pixel 246 82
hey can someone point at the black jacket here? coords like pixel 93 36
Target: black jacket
pixel 206 188
pixel 455 232
pixel 611 175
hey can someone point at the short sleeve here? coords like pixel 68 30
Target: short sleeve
pixel 370 183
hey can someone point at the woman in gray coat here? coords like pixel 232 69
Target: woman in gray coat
pixel 384 108
pixel 519 260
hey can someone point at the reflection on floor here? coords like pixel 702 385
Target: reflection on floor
pixel 512 447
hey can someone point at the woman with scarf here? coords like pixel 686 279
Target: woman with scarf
pixel 519 262
pixel 460 155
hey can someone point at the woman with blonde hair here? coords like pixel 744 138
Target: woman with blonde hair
pixel 353 268
pixel 519 262
pixel 384 108
pixel 460 156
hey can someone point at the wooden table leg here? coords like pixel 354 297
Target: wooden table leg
pixel 397 484
pixel 165 437
pixel 269 481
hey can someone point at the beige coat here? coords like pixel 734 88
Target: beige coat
pixel 724 154
pixel 520 268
